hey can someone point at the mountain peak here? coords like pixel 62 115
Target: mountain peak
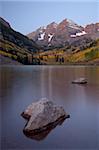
pixel 52 25
pixel 66 20
pixel 63 22
pixel 69 23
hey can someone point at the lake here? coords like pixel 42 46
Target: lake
pixel 21 85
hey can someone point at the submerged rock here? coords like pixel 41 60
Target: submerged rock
pixel 80 81
pixel 42 117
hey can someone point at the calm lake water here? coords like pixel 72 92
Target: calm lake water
pixel 21 85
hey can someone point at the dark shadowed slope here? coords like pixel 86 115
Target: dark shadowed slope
pixel 15 45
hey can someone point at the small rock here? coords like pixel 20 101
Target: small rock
pixel 80 81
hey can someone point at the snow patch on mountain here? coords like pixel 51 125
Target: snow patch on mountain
pixel 49 44
pixel 41 36
pixel 42 29
pixel 72 24
pixel 70 21
pixel 74 27
pixel 55 25
pixel 50 37
pixel 78 34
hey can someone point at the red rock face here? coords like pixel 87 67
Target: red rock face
pixel 51 28
pixel 31 35
pixel 92 28
pixel 62 26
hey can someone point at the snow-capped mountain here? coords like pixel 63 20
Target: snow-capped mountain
pixel 67 31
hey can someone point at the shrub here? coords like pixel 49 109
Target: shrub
pixel 92 54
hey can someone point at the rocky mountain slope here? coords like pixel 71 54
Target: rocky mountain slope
pixel 15 45
pixel 66 32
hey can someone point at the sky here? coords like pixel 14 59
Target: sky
pixel 26 16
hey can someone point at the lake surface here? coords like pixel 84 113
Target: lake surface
pixel 21 85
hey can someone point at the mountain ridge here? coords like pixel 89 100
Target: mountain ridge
pixel 59 34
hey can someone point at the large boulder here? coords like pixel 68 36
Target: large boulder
pixel 43 116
